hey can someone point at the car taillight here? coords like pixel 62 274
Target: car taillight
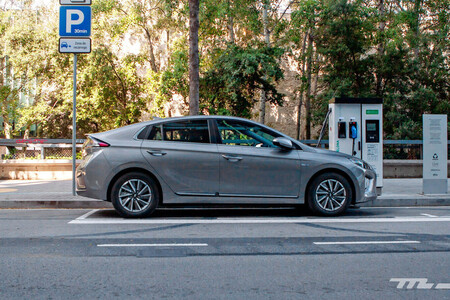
pixel 91 145
pixel 102 144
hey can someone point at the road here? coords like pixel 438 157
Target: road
pixel 225 254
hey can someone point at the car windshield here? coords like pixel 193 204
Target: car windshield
pixel 245 134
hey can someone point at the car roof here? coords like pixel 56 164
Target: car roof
pixel 134 129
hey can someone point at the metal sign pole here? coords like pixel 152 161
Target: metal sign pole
pixel 74 125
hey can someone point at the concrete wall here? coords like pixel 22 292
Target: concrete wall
pixel 399 168
pixel 47 169
pixel 62 169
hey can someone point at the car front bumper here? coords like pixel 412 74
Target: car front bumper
pixel 369 186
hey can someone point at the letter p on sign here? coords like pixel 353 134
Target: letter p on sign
pixel 71 20
pixel 75 21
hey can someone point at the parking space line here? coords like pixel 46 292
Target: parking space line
pixel 84 220
pixel 152 245
pixel 366 242
pixel 87 214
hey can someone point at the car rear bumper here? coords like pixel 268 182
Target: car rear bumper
pixel 90 177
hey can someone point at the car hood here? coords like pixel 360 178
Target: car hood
pixel 330 152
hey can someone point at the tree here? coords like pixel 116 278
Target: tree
pixel 239 73
pixel 23 58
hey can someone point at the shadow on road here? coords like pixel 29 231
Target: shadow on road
pixel 218 212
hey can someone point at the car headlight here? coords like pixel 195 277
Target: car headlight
pixel 360 163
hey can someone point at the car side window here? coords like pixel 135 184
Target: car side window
pixel 193 131
pixel 237 133
pixel 155 133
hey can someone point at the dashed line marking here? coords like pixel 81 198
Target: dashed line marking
pixel 153 245
pixel 366 242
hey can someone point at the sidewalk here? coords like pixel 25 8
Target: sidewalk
pixel 58 194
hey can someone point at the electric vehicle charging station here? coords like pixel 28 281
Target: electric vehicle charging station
pixel 356 128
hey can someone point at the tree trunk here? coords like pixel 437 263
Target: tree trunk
pixel 26 134
pixel 300 103
pixel 152 55
pixel 194 77
pixel 380 50
pixel 416 28
pixel 7 129
pixel 308 87
pixel 231 29
pixel 262 108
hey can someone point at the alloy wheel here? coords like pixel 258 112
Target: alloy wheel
pixel 330 195
pixel 135 195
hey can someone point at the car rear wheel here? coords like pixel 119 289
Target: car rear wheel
pixel 135 195
pixel 329 194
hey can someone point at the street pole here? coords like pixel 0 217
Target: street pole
pixel 74 125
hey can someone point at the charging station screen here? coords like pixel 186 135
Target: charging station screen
pixel 371 127
pixel 373 131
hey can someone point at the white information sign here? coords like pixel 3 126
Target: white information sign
pixel 435 154
pixel 71 45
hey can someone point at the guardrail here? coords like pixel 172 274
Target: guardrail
pixel 61 148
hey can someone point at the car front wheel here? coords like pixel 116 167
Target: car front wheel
pixel 329 194
pixel 134 195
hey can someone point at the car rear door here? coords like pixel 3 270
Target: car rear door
pixel 182 154
pixel 251 166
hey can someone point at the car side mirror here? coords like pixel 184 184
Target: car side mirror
pixel 283 143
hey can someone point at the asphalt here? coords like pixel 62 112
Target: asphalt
pixel 58 194
pixel 225 254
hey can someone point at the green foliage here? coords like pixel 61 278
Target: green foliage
pixel 238 74
pixel 140 52
pixel 174 80
pixel 404 61
pixel 111 93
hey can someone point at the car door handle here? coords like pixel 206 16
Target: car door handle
pixel 156 152
pixel 232 158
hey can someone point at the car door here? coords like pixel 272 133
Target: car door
pixel 181 153
pixel 251 166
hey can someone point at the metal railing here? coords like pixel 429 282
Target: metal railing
pixel 40 148
pixel 62 148
pixel 392 149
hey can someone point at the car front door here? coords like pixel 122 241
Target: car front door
pixel 182 154
pixel 251 166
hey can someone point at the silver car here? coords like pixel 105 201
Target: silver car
pixel 217 160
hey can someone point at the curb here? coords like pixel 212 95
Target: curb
pixel 71 204
pixel 408 201
pixel 94 204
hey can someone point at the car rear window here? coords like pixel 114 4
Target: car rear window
pixel 193 131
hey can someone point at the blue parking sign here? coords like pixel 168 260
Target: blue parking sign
pixel 75 21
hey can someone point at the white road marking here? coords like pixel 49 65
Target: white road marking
pixel 261 220
pixel 87 214
pixel 366 242
pixel 428 215
pixel 152 245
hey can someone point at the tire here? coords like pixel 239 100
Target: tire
pixel 329 194
pixel 135 195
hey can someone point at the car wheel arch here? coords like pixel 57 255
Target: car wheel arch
pixel 131 170
pixel 331 170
